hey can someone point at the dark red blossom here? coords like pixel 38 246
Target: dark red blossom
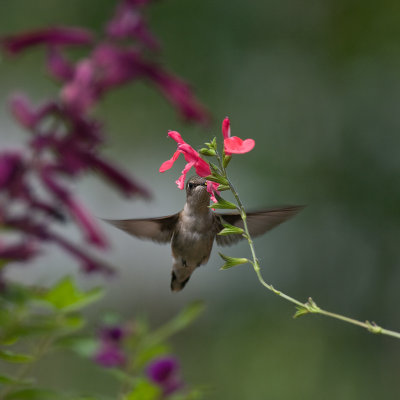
pixel 65 138
pixel 165 372
pixel 57 36
pixel 110 352
pixel 128 22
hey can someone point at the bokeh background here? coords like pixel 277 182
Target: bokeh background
pixel 317 85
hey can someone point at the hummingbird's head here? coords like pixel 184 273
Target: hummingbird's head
pixel 196 191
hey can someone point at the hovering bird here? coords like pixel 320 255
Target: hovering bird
pixel 192 231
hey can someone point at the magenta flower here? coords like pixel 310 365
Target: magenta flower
pixel 128 22
pixel 234 144
pixel 110 352
pixel 165 372
pixel 25 113
pixel 58 36
pixel 192 158
pixel 64 139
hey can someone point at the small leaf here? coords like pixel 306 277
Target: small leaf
pixel 230 229
pixel 84 346
pixel 66 296
pixel 207 152
pixel 222 188
pixel 12 357
pixel 300 312
pixel 34 394
pixel 217 178
pixel 232 261
pixel 144 390
pixel 223 204
pixel 226 160
pixel 9 380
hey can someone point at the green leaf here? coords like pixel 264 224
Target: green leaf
pixel 222 188
pixel 232 261
pixel 144 390
pixel 223 204
pixel 300 312
pixel 217 178
pixel 176 324
pixel 207 152
pixel 66 296
pixel 9 380
pixel 12 357
pixel 34 394
pixel 226 160
pixel 230 229
pixel 85 346
pixel 147 354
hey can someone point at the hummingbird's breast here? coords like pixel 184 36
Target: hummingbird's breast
pixel 193 239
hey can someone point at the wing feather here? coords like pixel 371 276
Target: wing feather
pixel 159 229
pixel 258 222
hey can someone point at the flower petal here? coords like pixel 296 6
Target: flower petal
pixel 226 128
pixel 169 163
pixel 235 145
pixel 176 136
pixel 181 180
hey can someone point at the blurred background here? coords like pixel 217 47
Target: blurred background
pixel 317 85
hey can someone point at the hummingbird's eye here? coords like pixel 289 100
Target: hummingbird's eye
pixel 191 185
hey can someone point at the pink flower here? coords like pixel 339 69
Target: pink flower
pixel 58 36
pixel 234 144
pixel 25 113
pixel 192 158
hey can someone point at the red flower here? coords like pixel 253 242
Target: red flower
pixel 235 145
pixel 192 158
pixel 58 36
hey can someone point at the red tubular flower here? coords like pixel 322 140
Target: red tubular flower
pixel 234 144
pixel 192 158
pixel 58 36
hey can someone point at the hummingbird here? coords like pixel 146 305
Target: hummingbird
pixel 192 231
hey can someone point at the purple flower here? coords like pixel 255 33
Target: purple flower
pixel 178 93
pixel 110 352
pixel 26 114
pixel 23 251
pixel 128 22
pixel 65 140
pixel 110 355
pixel 165 372
pixel 57 36
pixel 11 164
pixel 58 66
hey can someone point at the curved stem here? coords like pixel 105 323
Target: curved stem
pixel 310 307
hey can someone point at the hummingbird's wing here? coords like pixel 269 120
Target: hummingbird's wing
pixel 159 229
pixel 258 222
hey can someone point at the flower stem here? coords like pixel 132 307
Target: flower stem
pixel 310 307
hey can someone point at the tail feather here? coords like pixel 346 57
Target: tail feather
pixel 180 276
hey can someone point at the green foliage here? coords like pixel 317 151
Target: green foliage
pixel 144 390
pixel 65 296
pixel 40 320
pixel 223 204
pixel 232 261
pixel 230 229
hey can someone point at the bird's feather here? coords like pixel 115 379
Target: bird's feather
pixel 159 229
pixel 258 222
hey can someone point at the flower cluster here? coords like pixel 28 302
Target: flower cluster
pixel 110 352
pixel 232 145
pixel 65 138
pixel 165 372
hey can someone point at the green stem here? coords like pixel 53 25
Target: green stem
pixel 310 307
pixel 25 368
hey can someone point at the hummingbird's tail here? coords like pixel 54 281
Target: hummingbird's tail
pixel 180 276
